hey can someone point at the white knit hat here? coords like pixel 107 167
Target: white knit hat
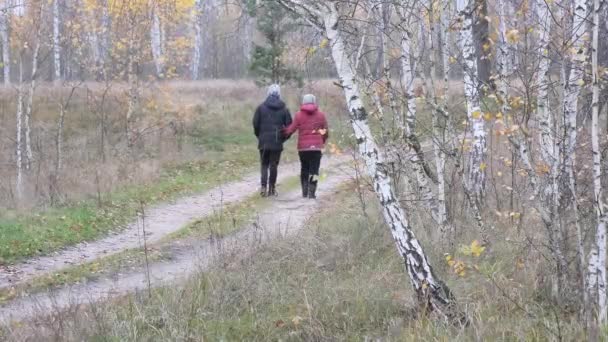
pixel 274 90
pixel 309 98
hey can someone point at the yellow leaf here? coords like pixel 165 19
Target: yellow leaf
pixel 323 177
pixel 452 60
pixel 324 43
pixel 487 116
pixel 512 36
pixel 476 248
pixel 581 82
pixel 476 114
pixel 515 215
pixel 499 115
pixel 542 168
pixel 483 166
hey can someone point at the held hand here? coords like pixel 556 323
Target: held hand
pixel 284 133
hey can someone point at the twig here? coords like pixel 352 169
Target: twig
pixel 143 228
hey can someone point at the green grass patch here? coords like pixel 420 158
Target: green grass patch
pixel 43 232
pixel 228 220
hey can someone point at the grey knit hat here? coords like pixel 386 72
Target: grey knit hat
pixel 274 90
pixel 309 98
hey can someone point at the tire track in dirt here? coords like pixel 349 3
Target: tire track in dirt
pixel 161 220
pixel 286 215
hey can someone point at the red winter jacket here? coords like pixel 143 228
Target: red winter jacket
pixel 311 125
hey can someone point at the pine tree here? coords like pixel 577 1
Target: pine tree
pixel 267 64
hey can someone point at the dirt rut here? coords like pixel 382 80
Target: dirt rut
pixel 287 214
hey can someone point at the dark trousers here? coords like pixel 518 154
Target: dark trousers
pixel 270 165
pixel 310 162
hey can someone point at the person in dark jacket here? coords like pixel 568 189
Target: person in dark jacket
pixel 313 132
pixel 268 122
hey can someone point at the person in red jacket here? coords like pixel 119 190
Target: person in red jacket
pixel 313 132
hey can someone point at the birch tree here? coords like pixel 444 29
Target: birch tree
pixel 432 293
pixel 6 45
pixel 440 116
pixel 30 95
pixel 19 135
pixel 56 41
pixel 475 170
pixel 597 258
pixel 546 138
pixel 573 86
pixel 105 42
pixel 198 39
pixel 417 158
pixel 156 39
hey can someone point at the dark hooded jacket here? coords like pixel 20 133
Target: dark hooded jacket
pixel 269 120
pixel 312 128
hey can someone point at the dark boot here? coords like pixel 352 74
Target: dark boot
pixel 312 190
pixel 272 191
pixel 304 183
pixel 263 191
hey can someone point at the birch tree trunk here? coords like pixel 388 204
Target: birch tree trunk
pixel 198 39
pixel 30 99
pixel 445 57
pixel 156 42
pixel 105 42
pixel 432 293
pixel 19 120
pixel 475 170
pixel 501 58
pixel 247 37
pixel 133 91
pixel 56 41
pixel 95 46
pixel 417 158
pixel 597 259
pixel 573 86
pixel 547 140
pixel 439 131
pixel 572 89
pixel 6 45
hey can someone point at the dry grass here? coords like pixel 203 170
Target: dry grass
pixel 339 280
pixel 178 122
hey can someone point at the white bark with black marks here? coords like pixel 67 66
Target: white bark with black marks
pixel 198 39
pixel 30 101
pixel 545 119
pixel 6 45
pixel 578 55
pixel 439 116
pixel 597 259
pixel 56 41
pixel 156 40
pixel 19 147
pixel 475 177
pixel 431 291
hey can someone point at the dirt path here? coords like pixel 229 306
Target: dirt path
pixel 161 221
pixel 287 214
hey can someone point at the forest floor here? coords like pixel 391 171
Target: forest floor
pixel 168 228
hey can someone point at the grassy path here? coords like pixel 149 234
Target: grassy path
pixel 283 216
pixel 160 221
